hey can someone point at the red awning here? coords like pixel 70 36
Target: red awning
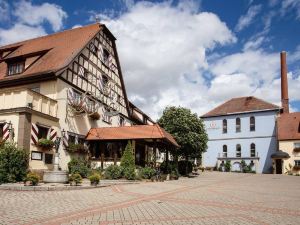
pixel 131 133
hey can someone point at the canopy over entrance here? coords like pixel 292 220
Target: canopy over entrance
pixel 137 132
pixel 280 155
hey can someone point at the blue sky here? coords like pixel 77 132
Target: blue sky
pixel 196 54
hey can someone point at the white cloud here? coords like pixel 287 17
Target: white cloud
pixel 246 20
pixel 289 5
pixel 20 32
pixel 4 11
pixel 34 15
pixel 29 21
pixel 76 26
pixel 254 73
pixel 225 87
pixel 163 49
pixel 258 64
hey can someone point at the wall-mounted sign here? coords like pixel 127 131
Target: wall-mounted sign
pixel 37 156
pixel 213 125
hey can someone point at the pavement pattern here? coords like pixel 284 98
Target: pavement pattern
pixel 210 198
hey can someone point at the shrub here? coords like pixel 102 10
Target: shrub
pixel 75 178
pixel 113 172
pixel 129 173
pixel 185 167
pixel 127 159
pixel 147 172
pixel 13 163
pixel 45 143
pixel 171 167
pixel 174 175
pixel 33 178
pixel 227 166
pixel 81 166
pixel 95 178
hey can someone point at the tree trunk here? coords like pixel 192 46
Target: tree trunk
pixel 187 165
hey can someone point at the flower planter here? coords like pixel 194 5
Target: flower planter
pixel 296 149
pixel 296 167
pixel 77 148
pixel 45 144
pixel 94 116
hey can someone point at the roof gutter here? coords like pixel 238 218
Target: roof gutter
pixel 244 112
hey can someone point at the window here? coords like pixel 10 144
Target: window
pixel 15 68
pixel 224 150
pixel 104 80
pixel 297 162
pixel 238 150
pixel 105 56
pixel 43 132
pixel 238 125
pixel 77 97
pixel 48 158
pixel 296 145
pixel 93 49
pixel 252 123
pixel 83 72
pixel 121 121
pixel 252 150
pixel 72 139
pixel 1 130
pixel 224 126
pixel 119 98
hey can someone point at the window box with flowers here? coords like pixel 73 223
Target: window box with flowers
pixel 296 147
pixel 77 148
pixel 45 144
pixel 91 108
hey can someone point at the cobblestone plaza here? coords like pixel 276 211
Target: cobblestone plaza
pixel 211 198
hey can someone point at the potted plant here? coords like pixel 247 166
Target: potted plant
pixel 45 144
pixel 95 179
pixel 32 178
pixel 75 179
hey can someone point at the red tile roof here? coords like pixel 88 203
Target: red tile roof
pixel 241 105
pixel 289 126
pixel 60 50
pixel 131 133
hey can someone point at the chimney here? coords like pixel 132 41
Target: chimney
pixel 284 84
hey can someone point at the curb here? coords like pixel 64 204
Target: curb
pixel 62 188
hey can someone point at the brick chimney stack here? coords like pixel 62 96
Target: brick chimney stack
pixel 284 84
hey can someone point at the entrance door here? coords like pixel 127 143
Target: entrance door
pixel 278 166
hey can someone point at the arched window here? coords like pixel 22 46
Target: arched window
pixel 224 150
pixel 238 150
pixel 252 123
pixel 224 126
pixel 252 150
pixel 238 124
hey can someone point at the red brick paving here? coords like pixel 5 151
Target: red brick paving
pixel 211 198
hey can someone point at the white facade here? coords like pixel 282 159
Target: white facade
pixel 262 138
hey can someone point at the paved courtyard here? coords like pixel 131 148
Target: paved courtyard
pixel 211 198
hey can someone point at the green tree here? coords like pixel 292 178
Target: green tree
pixel 127 159
pixel 188 130
pixel 13 163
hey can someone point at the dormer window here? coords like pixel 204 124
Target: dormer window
pixel 15 68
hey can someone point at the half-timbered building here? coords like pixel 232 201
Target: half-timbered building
pixel 63 85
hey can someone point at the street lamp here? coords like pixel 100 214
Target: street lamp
pixel 57 143
pixel 11 130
